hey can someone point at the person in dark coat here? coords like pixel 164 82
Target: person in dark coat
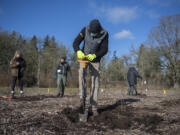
pixel 132 76
pixel 17 65
pixel 95 46
pixel 61 75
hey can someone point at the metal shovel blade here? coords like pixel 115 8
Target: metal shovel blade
pixel 83 117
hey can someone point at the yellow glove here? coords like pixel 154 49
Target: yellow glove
pixel 91 57
pixel 80 55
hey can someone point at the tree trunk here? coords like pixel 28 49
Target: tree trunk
pixel 176 85
pixel 39 71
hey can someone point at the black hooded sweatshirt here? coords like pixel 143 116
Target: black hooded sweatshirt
pixel 102 50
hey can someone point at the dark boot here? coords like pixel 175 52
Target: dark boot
pixel 136 93
pixel 58 95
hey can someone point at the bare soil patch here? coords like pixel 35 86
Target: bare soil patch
pixel 118 114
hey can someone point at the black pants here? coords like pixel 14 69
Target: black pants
pixel 14 79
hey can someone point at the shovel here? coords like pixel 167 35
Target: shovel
pixel 84 115
pixel 5 97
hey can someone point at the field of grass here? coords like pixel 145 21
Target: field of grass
pixel 6 90
pixel 52 90
pixel 173 90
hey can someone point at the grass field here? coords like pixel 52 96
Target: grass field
pixel 6 90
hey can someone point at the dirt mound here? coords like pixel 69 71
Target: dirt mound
pixel 118 119
pixel 71 114
pixel 111 121
pixel 149 122
pixel 108 119
pixel 171 102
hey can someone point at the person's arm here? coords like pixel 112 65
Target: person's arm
pixel 137 75
pixel 103 48
pixel 78 40
pixel 55 74
pixel 56 69
pixel 128 76
pixel 24 64
pixel 14 64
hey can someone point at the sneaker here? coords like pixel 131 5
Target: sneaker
pixel 136 93
pixel 12 94
pixel 22 93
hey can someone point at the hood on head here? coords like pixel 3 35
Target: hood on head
pixel 132 68
pixel 95 26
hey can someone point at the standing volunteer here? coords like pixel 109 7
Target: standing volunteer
pixel 61 75
pixel 132 76
pixel 17 65
pixel 95 47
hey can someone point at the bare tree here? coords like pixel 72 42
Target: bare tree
pixel 167 37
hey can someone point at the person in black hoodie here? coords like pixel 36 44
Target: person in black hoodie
pixel 132 76
pixel 17 65
pixel 95 46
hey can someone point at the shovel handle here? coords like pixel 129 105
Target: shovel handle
pixel 5 97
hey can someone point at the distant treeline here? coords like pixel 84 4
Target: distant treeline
pixel 157 60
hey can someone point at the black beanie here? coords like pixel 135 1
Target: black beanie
pixel 95 26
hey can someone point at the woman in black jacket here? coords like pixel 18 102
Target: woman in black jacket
pixel 17 65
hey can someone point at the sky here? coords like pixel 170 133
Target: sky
pixel 127 21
